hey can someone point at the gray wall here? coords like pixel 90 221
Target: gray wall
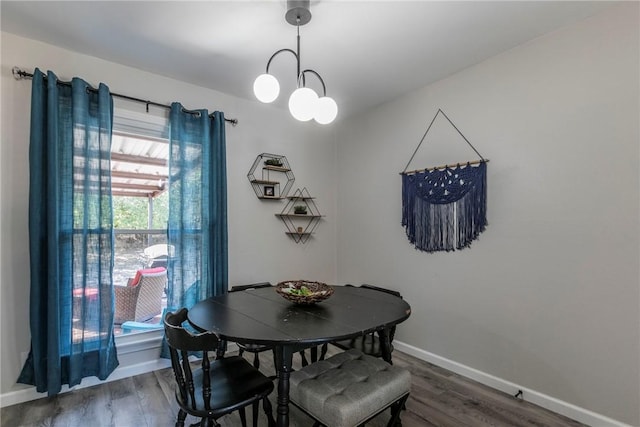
pixel 548 297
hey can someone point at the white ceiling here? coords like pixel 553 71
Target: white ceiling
pixel 367 52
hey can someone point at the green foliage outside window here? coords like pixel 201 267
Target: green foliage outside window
pixel 132 212
pixel 161 211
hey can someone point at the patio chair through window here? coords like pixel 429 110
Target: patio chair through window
pixel 141 299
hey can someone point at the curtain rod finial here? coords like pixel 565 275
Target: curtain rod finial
pixel 18 74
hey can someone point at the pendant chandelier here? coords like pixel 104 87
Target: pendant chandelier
pixel 304 102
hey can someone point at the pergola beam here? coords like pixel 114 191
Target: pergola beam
pixel 141 160
pixel 129 193
pixel 137 175
pixel 126 186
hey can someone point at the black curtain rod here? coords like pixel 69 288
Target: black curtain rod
pixel 19 74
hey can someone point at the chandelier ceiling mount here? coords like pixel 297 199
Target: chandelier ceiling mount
pixel 298 12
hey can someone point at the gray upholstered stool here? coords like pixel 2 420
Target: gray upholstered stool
pixel 350 388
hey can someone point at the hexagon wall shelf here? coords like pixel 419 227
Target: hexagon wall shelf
pixel 276 177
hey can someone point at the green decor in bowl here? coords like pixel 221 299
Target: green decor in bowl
pixel 304 291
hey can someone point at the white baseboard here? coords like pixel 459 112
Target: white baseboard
pixel 144 341
pixel 30 393
pixel 548 402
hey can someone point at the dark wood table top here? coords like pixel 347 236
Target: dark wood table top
pixel 261 316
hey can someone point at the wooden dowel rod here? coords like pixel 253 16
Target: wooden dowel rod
pixel 474 162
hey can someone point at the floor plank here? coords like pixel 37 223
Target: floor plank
pixel 438 398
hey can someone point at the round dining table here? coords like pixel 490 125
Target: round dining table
pixel 262 316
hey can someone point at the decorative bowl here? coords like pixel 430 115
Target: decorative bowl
pixel 294 291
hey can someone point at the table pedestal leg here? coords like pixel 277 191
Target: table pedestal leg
pixel 284 359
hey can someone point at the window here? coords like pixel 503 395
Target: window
pixel 139 175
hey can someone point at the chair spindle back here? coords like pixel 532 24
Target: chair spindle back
pixel 181 342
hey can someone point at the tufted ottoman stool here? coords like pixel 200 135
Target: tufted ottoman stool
pixel 349 388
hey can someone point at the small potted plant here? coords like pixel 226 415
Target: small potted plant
pixel 300 210
pixel 273 162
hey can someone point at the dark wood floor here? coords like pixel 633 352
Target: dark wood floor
pixel 438 398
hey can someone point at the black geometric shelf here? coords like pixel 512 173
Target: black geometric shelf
pixel 276 178
pixel 300 226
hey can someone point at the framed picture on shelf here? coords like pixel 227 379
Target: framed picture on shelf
pixel 269 191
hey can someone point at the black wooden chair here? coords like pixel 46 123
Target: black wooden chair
pixel 218 387
pixel 369 343
pixel 313 353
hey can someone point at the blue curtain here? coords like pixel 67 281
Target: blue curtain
pixel 70 234
pixel 197 228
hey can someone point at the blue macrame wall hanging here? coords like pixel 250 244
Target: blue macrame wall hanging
pixel 444 208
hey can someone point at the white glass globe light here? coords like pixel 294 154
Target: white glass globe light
pixel 303 103
pixel 326 110
pixel 266 88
